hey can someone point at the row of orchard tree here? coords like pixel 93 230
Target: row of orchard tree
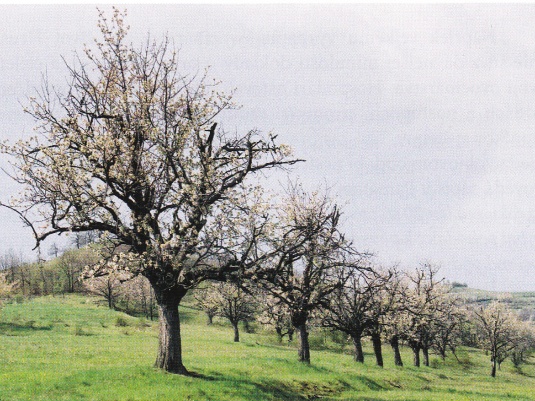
pixel 386 305
pixel 392 306
pixel 132 150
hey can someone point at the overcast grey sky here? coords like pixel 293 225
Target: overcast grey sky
pixel 421 117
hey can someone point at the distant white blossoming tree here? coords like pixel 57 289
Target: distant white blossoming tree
pixel 229 301
pixel 132 150
pixel 356 309
pixel 499 331
pixel 310 252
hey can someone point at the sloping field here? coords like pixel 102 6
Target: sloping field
pixel 68 348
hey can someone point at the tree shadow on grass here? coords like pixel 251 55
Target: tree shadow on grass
pixel 294 390
pixel 483 394
pixel 520 371
pixel 366 398
pixel 22 328
pixel 186 315
pixel 371 384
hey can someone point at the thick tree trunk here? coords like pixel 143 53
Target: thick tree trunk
pixel 304 347
pixel 377 348
pixel 290 335
pixel 394 342
pixel 425 353
pixel 493 370
pixel 210 319
pixel 359 354
pixel 416 352
pixel 236 333
pixel 169 346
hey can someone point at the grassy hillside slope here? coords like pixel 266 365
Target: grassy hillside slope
pixel 68 348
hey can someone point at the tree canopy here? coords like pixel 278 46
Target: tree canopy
pixel 132 149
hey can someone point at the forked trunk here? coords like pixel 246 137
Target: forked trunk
pixel 357 342
pixel 425 353
pixel 236 333
pixel 394 342
pixel 377 348
pixel 304 347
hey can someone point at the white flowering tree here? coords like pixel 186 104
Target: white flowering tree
pixel 230 301
pixel 384 304
pixel 132 150
pixel 308 253
pixel 276 314
pixel 108 286
pixel 448 323
pixel 393 318
pixel 205 302
pixel 525 345
pixel 422 310
pixel 356 308
pixel 499 331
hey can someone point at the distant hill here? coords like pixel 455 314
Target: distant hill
pixel 523 302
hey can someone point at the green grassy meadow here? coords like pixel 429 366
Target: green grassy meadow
pixel 69 348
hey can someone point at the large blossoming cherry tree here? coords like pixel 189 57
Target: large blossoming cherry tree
pixel 132 150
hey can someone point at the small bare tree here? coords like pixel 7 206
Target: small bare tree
pixel 72 263
pixel 11 265
pixel 54 250
pixel 6 288
pixel 82 239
